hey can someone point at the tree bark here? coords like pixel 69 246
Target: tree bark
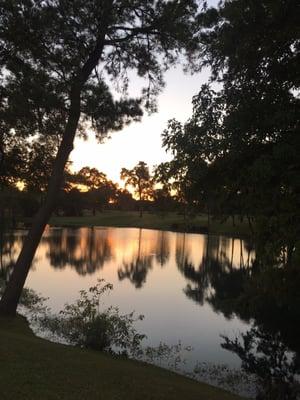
pixel 13 290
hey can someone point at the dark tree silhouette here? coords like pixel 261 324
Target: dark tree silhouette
pixel 54 57
pixel 100 190
pixel 239 152
pixel 139 179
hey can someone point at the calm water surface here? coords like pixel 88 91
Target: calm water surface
pixel 165 276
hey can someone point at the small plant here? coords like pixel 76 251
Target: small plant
pixel 33 303
pixel 84 324
pixel 171 357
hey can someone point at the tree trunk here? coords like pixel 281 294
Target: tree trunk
pixel 13 290
pixel 12 293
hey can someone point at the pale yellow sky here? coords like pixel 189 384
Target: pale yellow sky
pixel 141 141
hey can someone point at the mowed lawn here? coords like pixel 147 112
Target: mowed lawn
pixel 168 221
pixel 35 369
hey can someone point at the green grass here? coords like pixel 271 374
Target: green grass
pixel 169 221
pixel 35 369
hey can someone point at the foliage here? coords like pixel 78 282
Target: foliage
pixel 140 180
pixel 169 175
pixel 99 189
pixel 238 153
pixel 51 41
pixel 124 200
pixel 168 356
pixel 84 324
pixel 163 202
pixel 90 178
pixel 58 63
pixel 270 360
pixel 40 59
pixel 33 303
pixel 27 162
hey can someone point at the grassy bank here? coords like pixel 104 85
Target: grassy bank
pixel 169 221
pixel 35 369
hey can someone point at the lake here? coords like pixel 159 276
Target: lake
pixel 168 277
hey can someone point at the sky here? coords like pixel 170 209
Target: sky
pixel 142 141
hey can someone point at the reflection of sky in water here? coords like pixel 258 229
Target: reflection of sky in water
pixel 165 276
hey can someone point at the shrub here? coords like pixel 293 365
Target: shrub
pixel 84 324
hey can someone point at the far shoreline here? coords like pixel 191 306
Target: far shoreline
pixel 171 222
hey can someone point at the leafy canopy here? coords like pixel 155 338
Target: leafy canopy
pixel 239 149
pixel 47 47
pixel 139 178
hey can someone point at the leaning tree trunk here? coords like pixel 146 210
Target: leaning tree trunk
pixel 13 290
pixel 12 293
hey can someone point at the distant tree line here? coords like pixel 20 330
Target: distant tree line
pixel 25 172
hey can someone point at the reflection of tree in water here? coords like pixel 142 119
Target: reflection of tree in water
pixel 217 270
pixel 136 270
pixel 211 278
pixel 267 295
pixel 187 268
pixel 86 250
pixel 265 355
pixel 10 246
pixel 247 289
pixel 162 248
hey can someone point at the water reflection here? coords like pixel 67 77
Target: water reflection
pixel 214 267
pixel 265 355
pixel 85 250
pixel 142 259
pixel 10 246
pixel 137 269
pixel 190 287
pixel 162 248
pixel 220 271
pixel 201 259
